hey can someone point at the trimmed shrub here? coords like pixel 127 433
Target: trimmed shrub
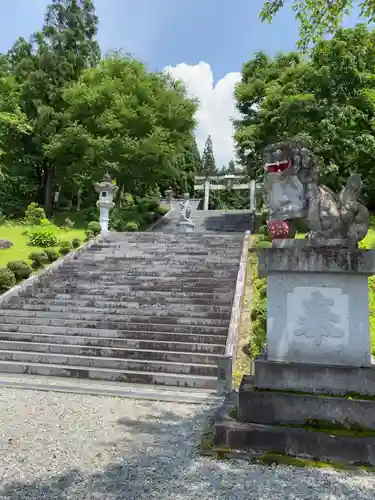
pixel 52 254
pixel 162 209
pixel 89 235
pixel 43 236
pixel 34 215
pixel 90 214
pixel 20 269
pixel 147 205
pixel 38 259
pixel 65 247
pixel 76 242
pixel 7 279
pixel 150 217
pixel 131 226
pixel 94 226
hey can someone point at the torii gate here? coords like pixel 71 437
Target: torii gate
pixel 229 183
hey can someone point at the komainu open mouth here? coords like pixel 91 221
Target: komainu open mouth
pixel 277 167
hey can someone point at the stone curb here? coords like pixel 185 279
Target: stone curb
pixel 226 363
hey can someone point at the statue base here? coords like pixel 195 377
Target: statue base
pixel 317 305
pixel 185 226
pixel 305 243
pixel 277 412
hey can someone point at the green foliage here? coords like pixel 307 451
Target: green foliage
pixel 43 236
pixel 94 226
pixel 328 101
pixel 34 215
pixel 318 18
pixel 228 200
pixel 67 116
pixel 7 279
pixel 162 210
pixel 44 67
pixel 65 247
pixel 127 200
pixel 89 235
pixel 208 159
pixel 107 123
pixel 38 259
pixel 258 309
pixel 20 269
pixel 131 226
pixel 147 205
pixel 150 217
pixel 52 254
pixel 76 242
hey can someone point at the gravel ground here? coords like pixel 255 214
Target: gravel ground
pixel 66 446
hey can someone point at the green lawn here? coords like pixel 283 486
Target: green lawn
pixel 20 250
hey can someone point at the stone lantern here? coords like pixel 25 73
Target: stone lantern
pixel 106 191
pixel 169 195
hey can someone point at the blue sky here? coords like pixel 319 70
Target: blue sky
pixel 219 34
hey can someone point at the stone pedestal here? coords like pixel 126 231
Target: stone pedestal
pixel 185 226
pixel 317 305
pixel 312 394
pixel 206 194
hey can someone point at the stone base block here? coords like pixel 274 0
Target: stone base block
pixel 272 408
pixel 314 378
pixel 259 439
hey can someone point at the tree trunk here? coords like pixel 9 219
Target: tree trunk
pixel 79 199
pixel 48 191
pixel 120 195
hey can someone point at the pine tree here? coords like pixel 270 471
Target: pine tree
pixel 231 167
pixel 208 159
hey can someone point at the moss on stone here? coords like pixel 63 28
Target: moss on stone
pixel 279 459
pixel 348 395
pixel 348 429
pixel 232 413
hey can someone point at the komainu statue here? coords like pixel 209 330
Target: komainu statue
pixel 293 192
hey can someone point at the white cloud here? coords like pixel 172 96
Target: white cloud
pixel 216 109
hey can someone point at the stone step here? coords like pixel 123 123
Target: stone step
pixel 125 281
pixel 162 336
pixel 95 287
pixel 149 260
pixel 14 324
pixel 141 365
pixel 161 298
pixel 119 313
pixel 215 272
pixel 129 280
pixel 108 342
pixel 94 305
pixel 21 315
pixel 112 352
pixel 130 376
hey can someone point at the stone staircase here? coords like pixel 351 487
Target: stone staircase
pixel 226 221
pixel 148 308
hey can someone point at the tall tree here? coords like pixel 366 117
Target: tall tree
pixel 44 66
pixel 126 120
pixel 318 17
pixel 208 159
pixel 328 99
